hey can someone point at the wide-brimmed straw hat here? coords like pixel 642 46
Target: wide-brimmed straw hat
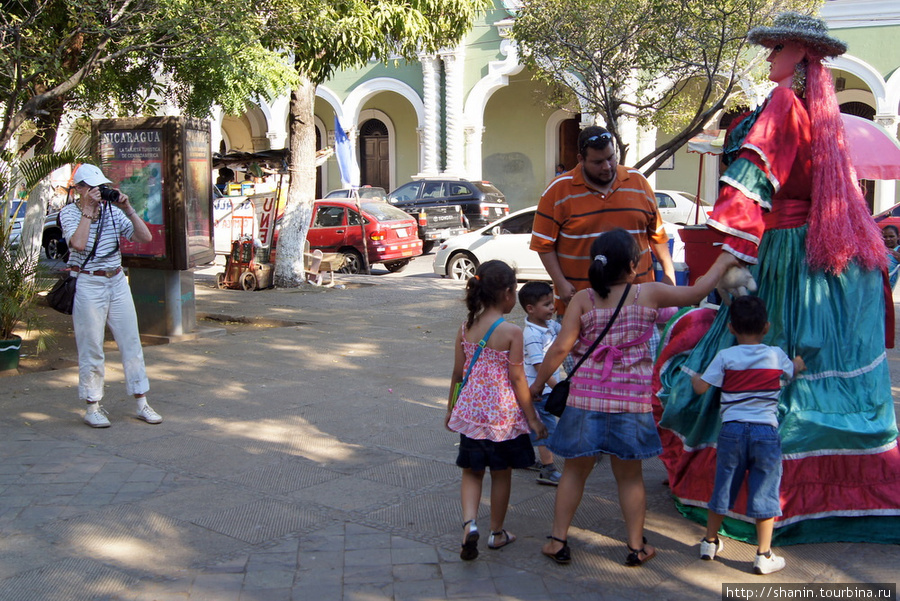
pixel 803 29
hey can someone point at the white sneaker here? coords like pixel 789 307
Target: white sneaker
pixel 149 415
pixel 97 418
pixel 708 550
pixel 767 563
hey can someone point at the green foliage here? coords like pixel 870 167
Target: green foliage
pixel 126 57
pixel 18 284
pixel 328 35
pixel 20 272
pixel 669 63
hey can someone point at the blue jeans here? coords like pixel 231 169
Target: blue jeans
pixel 754 449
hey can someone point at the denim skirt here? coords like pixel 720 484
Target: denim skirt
pixel 582 433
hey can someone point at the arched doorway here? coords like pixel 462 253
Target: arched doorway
pixel 568 142
pixel 320 191
pixel 374 155
pixel 864 110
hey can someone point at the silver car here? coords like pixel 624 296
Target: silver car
pixel 507 239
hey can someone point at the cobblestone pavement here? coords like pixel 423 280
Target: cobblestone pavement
pixel 309 462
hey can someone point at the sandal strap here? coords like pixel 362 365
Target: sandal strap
pixel 641 550
pixel 559 540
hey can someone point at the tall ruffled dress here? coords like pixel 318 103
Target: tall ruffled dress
pixel 841 463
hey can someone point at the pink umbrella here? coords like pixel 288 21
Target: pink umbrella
pixel 874 152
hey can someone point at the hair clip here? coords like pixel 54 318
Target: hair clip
pixel 602 259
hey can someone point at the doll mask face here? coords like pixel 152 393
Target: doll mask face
pixel 782 60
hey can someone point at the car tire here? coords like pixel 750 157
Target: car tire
pixel 461 266
pixel 353 262
pixel 396 266
pixel 428 246
pixel 57 249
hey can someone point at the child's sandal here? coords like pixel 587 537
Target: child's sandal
pixel 563 556
pixel 507 539
pixel 470 542
pixel 634 558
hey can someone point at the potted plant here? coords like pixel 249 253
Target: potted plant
pixel 20 271
pixel 18 289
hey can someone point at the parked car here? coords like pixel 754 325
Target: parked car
pixel 681 207
pixel 52 240
pixel 481 202
pixel 890 216
pixel 16 216
pixel 509 240
pixel 371 192
pixel 391 236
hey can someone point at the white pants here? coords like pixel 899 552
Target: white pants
pixel 102 301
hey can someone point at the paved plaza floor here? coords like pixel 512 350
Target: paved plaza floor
pixel 307 460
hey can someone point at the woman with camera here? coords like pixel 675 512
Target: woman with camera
pixel 93 226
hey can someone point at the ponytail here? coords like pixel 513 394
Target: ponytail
pixel 486 287
pixel 613 254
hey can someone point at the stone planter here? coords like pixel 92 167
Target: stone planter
pixel 9 353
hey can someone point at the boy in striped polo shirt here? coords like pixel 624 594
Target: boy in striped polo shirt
pixel 749 376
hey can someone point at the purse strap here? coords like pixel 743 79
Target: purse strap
pixel 481 345
pixel 609 324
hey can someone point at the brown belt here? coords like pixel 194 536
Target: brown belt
pixel 101 272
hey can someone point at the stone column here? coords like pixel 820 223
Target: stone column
pixel 430 133
pixel 453 99
pixel 885 190
pixel 473 137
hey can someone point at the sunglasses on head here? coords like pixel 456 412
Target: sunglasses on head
pixel 599 141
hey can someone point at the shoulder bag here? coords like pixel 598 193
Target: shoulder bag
pixel 559 394
pixel 475 355
pixel 62 296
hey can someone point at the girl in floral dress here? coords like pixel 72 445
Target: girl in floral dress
pixel 493 410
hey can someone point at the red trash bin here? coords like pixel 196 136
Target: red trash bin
pixel 700 249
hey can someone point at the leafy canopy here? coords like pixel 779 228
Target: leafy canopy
pixel 325 36
pixel 673 64
pixel 127 57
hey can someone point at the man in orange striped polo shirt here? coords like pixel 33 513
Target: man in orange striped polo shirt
pixel 596 196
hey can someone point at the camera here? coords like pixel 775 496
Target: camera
pixel 108 194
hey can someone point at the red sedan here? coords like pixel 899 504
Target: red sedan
pixel 390 234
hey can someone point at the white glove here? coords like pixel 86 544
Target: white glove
pixel 737 281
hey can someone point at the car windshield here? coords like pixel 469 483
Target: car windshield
pixel 693 199
pixel 17 208
pixel 367 192
pixel 489 188
pixel 384 212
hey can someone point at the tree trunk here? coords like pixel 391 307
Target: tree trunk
pixel 301 186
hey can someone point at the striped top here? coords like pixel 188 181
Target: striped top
pixel 537 341
pixel 750 378
pixel 616 378
pixel 571 215
pixel 115 225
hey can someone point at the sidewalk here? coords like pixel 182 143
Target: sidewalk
pixel 309 462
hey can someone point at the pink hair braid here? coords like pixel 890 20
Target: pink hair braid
pixel 841 229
